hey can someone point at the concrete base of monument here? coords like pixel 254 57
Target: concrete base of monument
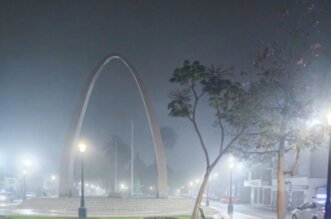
pixel 102 206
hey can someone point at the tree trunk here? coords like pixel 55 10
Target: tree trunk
pixel 195 214
pixel 281 198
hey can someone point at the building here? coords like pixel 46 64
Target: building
pixel 304 186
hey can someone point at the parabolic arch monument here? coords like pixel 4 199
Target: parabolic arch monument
pixel 70 147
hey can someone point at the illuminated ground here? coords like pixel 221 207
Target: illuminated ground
pixel 48 217
pixel 102 207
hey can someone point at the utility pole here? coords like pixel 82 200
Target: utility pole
pixel 131 158
pixel 115 178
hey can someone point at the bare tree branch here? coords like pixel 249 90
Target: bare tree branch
pixel 222 129
pixel 294 167
pixel 226 147
pixel 193 120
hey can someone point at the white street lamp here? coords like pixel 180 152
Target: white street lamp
pixel 27 163
pixel 82 147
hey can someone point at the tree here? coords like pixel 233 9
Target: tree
pixel 119 154
pixel 282 95
pixel 169 137
pixel 224 97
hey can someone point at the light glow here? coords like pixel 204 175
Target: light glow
pixel 328 117
pixel 27 163
pixel 321 196
pixel 231 165
pixel 82 147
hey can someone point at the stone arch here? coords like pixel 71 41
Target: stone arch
pixel 66 171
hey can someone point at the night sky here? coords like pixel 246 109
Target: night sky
pixel 48 48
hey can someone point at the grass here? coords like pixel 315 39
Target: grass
pixel 49 217
pixel 54 217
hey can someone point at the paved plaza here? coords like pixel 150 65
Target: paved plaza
pixel 108 207
pixel 100 207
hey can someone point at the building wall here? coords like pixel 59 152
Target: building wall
pixel 311 174
pixel 319 163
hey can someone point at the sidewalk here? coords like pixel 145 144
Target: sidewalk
pixel 242 211
pixel 237 215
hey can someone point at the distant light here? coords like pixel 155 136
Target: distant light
pixel 178 190
pixel 328 116
pixel 216 174
pixel 151 188
pixel 27 163
pixel 53 177
pixel 123 186
pixel 183 187
pixel 82 147
pixel 321 196
pixel 231 165
pixel 313 122
pixel 231 162
pixel 24 172
pixel 86 184
pixel 197 181
pixel 240 166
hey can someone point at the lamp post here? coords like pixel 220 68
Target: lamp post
pixel 327 214
pixel 230 205
pixel 27 164
pixel 82 210
pixel 207 196
pixel 191 184
pixel 24 184
pixel 197 182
